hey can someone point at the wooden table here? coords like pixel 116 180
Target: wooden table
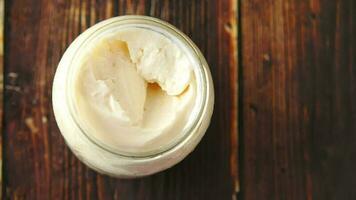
pixel 284 125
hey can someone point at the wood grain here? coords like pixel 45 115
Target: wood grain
pixel 1 81
pixel 298 94
pixel 37 163
pixel 285 78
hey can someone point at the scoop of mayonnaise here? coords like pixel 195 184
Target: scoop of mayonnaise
pixel 135 90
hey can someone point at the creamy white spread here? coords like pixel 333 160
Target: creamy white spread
pixel 135 90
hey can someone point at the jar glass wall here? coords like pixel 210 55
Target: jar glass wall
pixel 107 158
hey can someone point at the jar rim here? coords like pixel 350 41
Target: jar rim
pixel 185 40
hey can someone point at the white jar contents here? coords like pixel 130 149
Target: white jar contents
pixel 132 96
pixel 135 90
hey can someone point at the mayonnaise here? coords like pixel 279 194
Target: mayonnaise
pixel 134 90
pixel 132 96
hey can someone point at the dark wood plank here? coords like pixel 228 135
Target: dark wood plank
pixel 38 165
pixel 1 81
pixel 298 81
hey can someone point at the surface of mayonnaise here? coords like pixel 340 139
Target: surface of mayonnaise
pixel 135 90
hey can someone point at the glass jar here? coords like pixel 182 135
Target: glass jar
pixel 106 159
